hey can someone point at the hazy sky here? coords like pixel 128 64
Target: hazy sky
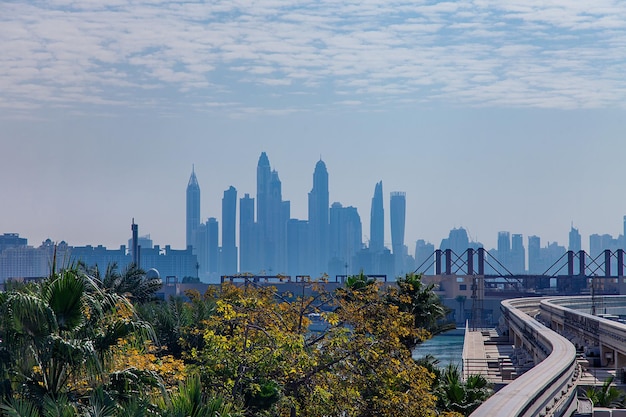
pixel 490 114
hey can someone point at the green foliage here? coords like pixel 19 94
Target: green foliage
pixel 190 401
pixel 455 395
pixel 131 283
pixel 256 350
pixel 249 349
pixel 607 395
pixel 412 296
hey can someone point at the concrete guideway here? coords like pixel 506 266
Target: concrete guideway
pixel 548 388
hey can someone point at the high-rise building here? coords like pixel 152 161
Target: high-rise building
pixel 229 233
pixel 346 238
pixel 298 251
pixel 457 241
pixel 575 240
pixel 377 220
pixel 424 257
pixel 318 218
pixel 397 210
pixel 193 208
pixel 504 249
pixel 272 216
pixel 535 264
pixel 518 255
pixel 248 257
pixel 623 246
pixel 263 212
pixel 212 230
pixel 12 240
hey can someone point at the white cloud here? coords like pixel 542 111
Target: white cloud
pixel 524 53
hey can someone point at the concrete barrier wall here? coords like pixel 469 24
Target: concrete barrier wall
pixel 549 388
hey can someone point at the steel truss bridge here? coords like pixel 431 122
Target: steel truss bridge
pixel 574 272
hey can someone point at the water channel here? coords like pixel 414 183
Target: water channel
pixel 445 347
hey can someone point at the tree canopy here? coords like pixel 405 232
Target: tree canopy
pixel 81 343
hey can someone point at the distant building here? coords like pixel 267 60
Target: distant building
pixel 193 208
pixel 504 249
pixel 229 233
pixel 212 226
pixel 517 258
pixel 101 257
pixel 12 240
pixel 318 219
pixel 397 210
pixel 424 257
pixel 272 216
pixel 535 263
pixel 377 220
pixel 575 240
pixel 248 238
pixel 457 241
pixel 179 263
pixel 22 262
pixel 346 239
pixel 299 259
pixel 541 261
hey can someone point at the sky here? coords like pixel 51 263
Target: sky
pixel 490 114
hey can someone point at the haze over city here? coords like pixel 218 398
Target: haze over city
pixel 489 115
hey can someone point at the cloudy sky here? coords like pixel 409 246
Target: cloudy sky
pixel 490 114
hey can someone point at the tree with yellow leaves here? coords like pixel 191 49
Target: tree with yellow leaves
pixel 257 350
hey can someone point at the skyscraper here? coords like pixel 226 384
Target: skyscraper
pixel 247 236
pixel 272 216
pixel 397 210
pixel 229 221
pixel 377 220
pixel 346 237
pixel 535 263
pixel 504 249
pixel 193 208
pixel 424 257
pixel 263 212
pixel 212 226
pixel 575 240
pixel 518 254
pixel 318 218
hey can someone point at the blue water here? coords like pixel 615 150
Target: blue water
pixel 446 347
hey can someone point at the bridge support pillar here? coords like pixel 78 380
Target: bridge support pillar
pixel 607 263
pixel 448 261
pixel 608 357
pixel 481 261
pixel 581 262
pixel 470 261
pixel 570 263
pixel 620 360
pixel 620 262
pixel 438 262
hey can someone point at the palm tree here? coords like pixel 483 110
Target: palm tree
pixel 421 301
pixel 132 282
pixel 458 396
pixel 605 396
pixel 57 335
pixel 190 401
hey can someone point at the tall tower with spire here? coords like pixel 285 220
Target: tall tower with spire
pixel 377 220
pixel 319 218
pixel 193 208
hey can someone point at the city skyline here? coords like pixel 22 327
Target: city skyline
pixel 380 208
pixel 493 116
